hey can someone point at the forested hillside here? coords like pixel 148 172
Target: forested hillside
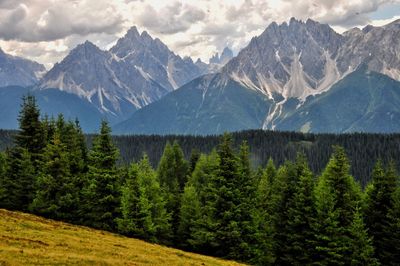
pixel 362 149
pixel 214 203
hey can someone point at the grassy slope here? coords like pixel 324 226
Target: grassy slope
pixel 27 239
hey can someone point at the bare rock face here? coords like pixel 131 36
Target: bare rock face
pixel 308 77
pixel 16 71
pixel 137 71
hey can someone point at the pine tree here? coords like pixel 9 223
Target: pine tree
pixel 31 135
pixel 17 186
pixel 3 180
pixel 379 202
pixel 57 191
pixel 360 242
pixel 72 136
pixel 189 217
pixel 298 247
pixel 101 192
pixel 2 165
pixel 391 253
pixel 142 205
pixel 232 213
pixel 263 215
pixel 172 173
pixel 202 229
pixel 337 197
pixel 329 243
pixel 194 157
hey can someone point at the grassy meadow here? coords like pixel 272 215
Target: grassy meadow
pixel 26 239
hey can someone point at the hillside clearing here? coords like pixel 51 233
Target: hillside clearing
pixel 27 239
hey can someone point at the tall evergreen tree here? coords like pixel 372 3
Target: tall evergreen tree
pixel 172 172
pixel 360 242
pixel 72 136
pixel 337 197
pixel 201 229
pixel 232 213
pixel 194 157
pixel 299 233
pixel 57 191
pixel 17 186
pixel 31 134
pixel 391 254
pixel 263 213
pixel 142 204
pixel 189 217
pixel 101 191
pixel 379 203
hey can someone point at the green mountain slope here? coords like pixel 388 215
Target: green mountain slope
pixel 208 105
pixel 364 101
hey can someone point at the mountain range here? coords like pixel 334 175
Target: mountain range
pixel 304 72
pixel 297 75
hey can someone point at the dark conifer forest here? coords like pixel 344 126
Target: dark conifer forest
pixel 264 198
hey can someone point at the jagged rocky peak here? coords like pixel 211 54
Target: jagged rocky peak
pixel 226 55
pixel 19 71
pixel 86 48
pixel 214 59
pixel 291 60
pixel 132 33
pixel 154 58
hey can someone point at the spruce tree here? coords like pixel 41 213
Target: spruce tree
pixel 298 247
pixel 172 173
pixel 337 197
pixel 232 213
pixel 360 242
pixel 57 191
pixel 142 205
pixel 263 215
pixel 379 202
pixel 391 253
pixel 194 157
pixel 330 246
pixel 31 135
pixel 101 191
pixel 202 230
pixel 72 136
pixel 189 217
pixel 17 185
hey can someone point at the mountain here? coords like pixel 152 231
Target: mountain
pixel 51 102
pixel 17 71
pixel 226 55
pixel 155 59
pixel 292 66
pixel 115 87
pixel 216 62
pixel 208 105
pixel 364 101
pixel 137 71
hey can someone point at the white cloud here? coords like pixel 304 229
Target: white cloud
pixel 45 30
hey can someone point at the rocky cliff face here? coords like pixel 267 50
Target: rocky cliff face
pixel 18 71
pixel 302 70
pixel 137 71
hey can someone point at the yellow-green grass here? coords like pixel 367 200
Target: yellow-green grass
pixel 26 239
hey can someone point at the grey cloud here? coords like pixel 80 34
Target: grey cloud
pixel 171 19
pixel 191 42
pixel 57 20
pixel 343 13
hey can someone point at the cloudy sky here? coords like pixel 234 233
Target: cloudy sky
pixel 45 30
